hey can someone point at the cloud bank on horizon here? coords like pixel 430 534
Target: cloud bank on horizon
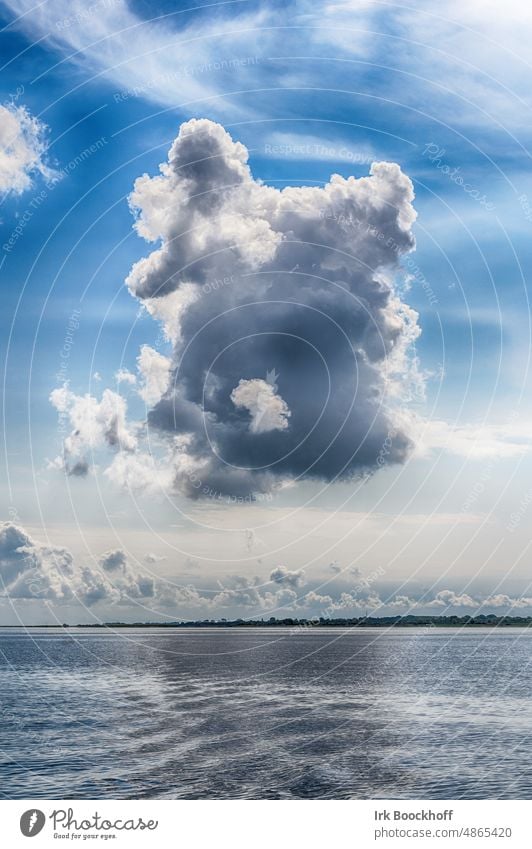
pixel 292 350
pixel 47 577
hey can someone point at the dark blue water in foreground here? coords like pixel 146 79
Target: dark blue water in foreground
pixel 264 714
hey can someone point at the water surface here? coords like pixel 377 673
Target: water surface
pixel 265 713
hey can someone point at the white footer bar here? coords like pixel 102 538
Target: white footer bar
pixel 242 824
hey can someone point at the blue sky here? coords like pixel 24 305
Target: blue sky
pixel 442 91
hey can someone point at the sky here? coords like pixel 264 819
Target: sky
pixel 266 324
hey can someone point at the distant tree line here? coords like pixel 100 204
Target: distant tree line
pixel 409 621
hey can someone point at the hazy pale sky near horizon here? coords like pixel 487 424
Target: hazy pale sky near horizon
pixel 266 325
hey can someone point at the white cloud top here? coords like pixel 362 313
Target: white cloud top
pixel 267 409
pixel 22 149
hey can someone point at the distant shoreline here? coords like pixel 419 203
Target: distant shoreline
pixel 482 620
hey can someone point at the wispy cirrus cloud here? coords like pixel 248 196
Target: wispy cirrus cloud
pixel 465 64
pixel 475 441
pixel 170 58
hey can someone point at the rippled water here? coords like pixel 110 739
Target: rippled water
pixel 265 714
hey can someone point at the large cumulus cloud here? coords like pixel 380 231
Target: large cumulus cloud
pixel 292 350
